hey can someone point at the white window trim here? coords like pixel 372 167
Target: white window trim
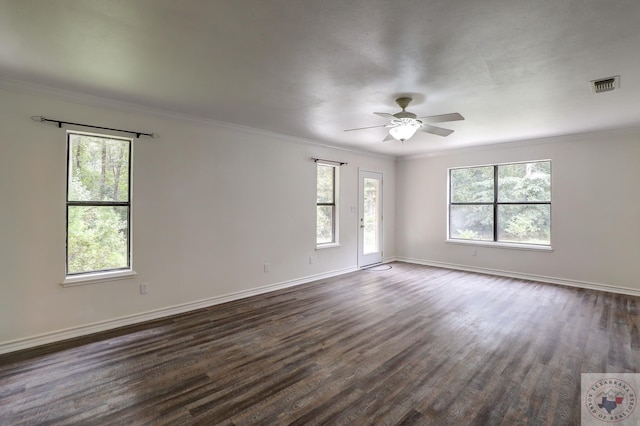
pixel 97 277
pixel 336 192
pixel 327 245
pixel 497 244
pixel 104 276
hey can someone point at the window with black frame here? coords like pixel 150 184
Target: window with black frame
pixel 504 203
pixel 326 204
pixel 98 203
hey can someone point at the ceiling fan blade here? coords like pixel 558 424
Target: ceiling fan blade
pixel 436 130
pixel 388 138
pixel 362 128
pixel 385 115
pixel 454 116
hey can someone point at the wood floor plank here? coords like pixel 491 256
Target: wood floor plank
pixel 412 345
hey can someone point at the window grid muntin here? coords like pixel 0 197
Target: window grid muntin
pixel 496 203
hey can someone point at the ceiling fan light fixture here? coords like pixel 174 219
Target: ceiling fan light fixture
pixel 404 124
pixel 405 129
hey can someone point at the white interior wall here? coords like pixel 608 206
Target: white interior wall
pixel 211 205
pixel 595 211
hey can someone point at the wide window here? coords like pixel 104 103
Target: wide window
pixel 326 217
pixel 98 203
pixel 506 203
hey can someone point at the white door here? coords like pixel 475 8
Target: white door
pixel 370 220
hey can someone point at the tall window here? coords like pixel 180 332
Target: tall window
pixel 508 203
pixel 326 204
pixel 98 203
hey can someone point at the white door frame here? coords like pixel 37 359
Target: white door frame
pixel 372 258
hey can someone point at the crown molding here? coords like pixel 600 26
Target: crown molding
pixel 569 137
pixel 34 89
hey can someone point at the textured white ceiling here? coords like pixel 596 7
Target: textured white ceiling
pixel 516 69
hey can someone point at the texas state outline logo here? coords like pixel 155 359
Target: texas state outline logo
pixel 610 400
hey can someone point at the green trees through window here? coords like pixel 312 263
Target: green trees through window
pixel 98 203
pixel 503 203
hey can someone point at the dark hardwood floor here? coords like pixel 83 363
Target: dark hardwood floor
pixel 409 345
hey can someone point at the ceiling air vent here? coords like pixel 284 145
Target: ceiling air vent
pixel 605 84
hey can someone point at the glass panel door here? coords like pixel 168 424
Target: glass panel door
pixel 371 217
pixel 370 226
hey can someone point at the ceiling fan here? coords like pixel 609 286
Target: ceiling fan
pixel 404 124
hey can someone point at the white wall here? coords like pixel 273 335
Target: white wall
pixel 211 205
pixel 595 211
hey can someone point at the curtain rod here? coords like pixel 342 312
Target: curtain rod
pixel 43 119
pixel 340 163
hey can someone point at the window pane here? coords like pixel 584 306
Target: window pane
pixel 325 183
pixel 324 224
pixel 524 182
pixel 371 231
pixel 98 169
pixel 97 238
pixel 530 224
pixel 471 222
pixel 472 185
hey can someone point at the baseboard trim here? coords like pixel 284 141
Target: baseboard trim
pixel 73 332
pixel 510 274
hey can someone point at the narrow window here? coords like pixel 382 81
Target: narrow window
pixel 326 219
pixel 506 203
pixel 98 203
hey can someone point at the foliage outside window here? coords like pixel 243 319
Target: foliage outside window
pixel 326 204
pixel 507 203
pixel 98 203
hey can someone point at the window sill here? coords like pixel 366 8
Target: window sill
pixel 326 246
pixel 511 246
pixel 98 277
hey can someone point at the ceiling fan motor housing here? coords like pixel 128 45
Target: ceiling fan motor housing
pixel 404 124
pixel 403 102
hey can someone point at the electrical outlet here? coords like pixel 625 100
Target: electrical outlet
pixel 144 288
pixel 310 259
pixel 474 252
pixel 267 267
